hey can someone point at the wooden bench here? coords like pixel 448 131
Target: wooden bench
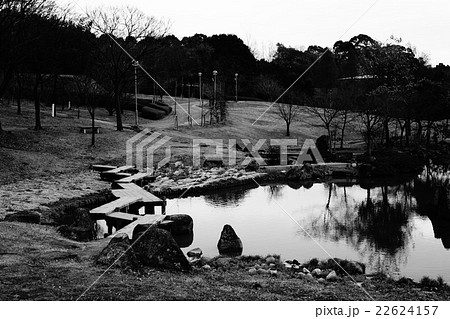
pixel 85 129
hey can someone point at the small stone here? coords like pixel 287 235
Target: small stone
pixel 287 265
pixel 359 278
pixel 206 267
pixel 273 273
pixel 321 280
pixel 305 270
pixel 196 252
pixel 223 262
pixel 194 260
pixel 301 275
pixel 309 277
pixel 262 271
pixel 270 260
pixel 296 267
pixel 179 164
pixel 332 276
pixel 252 271
pixel 272 265
pixel 206 260
pixel 316 272
pixel 257 266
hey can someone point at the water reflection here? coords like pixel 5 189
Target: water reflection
pixel 275 191
pixel 388 225
pixel 229 198
pixel 433 201
pixel 378 226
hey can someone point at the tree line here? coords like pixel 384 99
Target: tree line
pixel 51 55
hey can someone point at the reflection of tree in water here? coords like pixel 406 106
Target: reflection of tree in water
pixel 382 224
pixel 231 197
pixel 378 228
pixel 275 191
pixel 433 201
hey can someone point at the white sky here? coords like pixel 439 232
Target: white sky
pixel 299 23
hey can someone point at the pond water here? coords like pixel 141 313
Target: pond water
pixel 401 228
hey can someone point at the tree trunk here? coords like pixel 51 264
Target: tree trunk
pixel 37 103
pixel 55 80
pixel 402 129
pixel 407 131
pixel 419 131
pixel 93 125
pixel 330 142
pixel 429 125
pixel 4 84
pixel 288 133
pixel 369 136
pixel 19 95
pixel 386 131
pixel 343 130
pixel 118 110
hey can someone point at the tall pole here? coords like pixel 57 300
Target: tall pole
pixel 189 105
pixel 215 96
pixel 215 87
pixel 200 95
pixel 236 80
pixel 135 64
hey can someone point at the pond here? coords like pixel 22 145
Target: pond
pixel 400 228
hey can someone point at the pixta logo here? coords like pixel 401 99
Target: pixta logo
pixel 141 150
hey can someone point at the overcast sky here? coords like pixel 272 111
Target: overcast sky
pixel 300 23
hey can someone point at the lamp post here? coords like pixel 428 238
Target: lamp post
pixel 189 105
pixel 136 64
pixel 215 86
pixel 200 95
pixel 236 82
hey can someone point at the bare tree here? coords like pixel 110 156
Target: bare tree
pixel 288 112
pixel 15 35
pixel 268 88
pixel 324 106
pixel 370 124
pixel 88 91
pixel 122 32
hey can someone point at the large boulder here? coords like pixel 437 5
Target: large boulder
pixel 344 267
pixel 229 243
pixel 253 166
pixel 181 224
pixel 140 229
pixel 118 253
pixel 157 248
pixel 196 252
pixel 300 173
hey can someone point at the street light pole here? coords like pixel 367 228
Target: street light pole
pixel 236 80
pixel 189 105
pixel 200 95
pixel 136 64
pixel 215 87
